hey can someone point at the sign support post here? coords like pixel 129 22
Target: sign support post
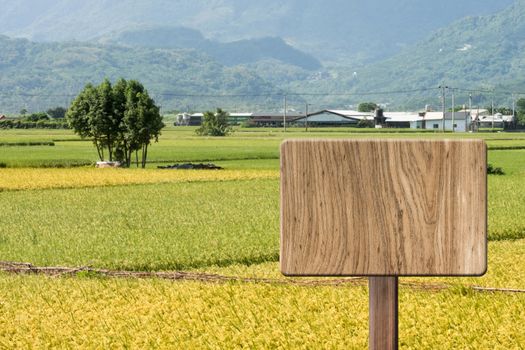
pixel 383 316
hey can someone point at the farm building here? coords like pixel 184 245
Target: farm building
pixel 319 118
pixel 494 121
pixel 461 120
pixel 429 120
pixel 3 116
pixel 335 117
pixel 403 120
pixel 186 119
pixel 481 118
pixel 195 119
pixel 273 119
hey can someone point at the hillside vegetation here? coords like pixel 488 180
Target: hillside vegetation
pixel 475 52
pixel 335 29
pixel 230 53
pixel 41 75
pixel 174 59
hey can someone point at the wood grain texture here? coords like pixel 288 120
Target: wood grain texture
pixel 383 207
pixel 383 322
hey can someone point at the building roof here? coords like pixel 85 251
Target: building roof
pixel 289 114
pixel 236 114
pixel 498 118
pixel 397 117
pixel 461 115
pixel 346 113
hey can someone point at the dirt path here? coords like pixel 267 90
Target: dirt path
pixel 57 271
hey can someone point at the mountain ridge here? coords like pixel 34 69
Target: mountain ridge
pixel 228 53
pixel 332 30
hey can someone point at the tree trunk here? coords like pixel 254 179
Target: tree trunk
pixel 110 150
pixel 100 154
pixel 128 157
pixel 144 155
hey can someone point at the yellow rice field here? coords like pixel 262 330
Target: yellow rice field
pixel 45 178
pixel 98 313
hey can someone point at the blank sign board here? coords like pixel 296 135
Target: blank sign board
pixel 384 207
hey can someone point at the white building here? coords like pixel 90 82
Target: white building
pixel 457 121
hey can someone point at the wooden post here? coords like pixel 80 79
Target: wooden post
pixel 383 313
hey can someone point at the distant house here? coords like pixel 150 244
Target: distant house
pixel 335 117
pixel 273 119
pixel 494 121
pixel 186 119
pixel 3 116
pixel 238 118
pixel 460 121
pixel 403 120
pixel 195 119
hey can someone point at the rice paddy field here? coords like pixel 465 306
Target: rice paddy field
pixel 218 231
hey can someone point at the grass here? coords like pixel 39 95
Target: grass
pixel 224 222
pixel 43 312
pixel 182 220
pixel 181 144
pixel 503 271
pixel 143 227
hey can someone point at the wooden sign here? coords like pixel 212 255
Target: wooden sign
pixel 383 207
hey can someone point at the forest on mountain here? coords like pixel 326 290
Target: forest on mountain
pixel 203 54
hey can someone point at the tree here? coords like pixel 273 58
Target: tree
pixel 57 112
pixel 367 107
pixel 141 116
pixel 120 119
pixel 520 105
pixel 214 124
pixel 35 117
pixel 520 112
pixel 363 123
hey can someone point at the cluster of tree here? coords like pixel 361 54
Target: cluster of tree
pixel 214 124
pixel 40 124
pixel 119 118
pixel 54 113
pixel 57 112
pixel 520 112
pixel 367 107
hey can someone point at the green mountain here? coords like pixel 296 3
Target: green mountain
pixel 481 53
pixel 230 53
pixel 332 30
pixel 182 67
pixel 37 76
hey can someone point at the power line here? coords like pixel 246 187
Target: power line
pixel 281 94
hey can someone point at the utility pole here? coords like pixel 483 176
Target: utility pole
pixel 453 110
pixel 470 110
pixel 513 111
pixel 306 114
pixel 443 87
pixel 284 115
pixel 493 114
